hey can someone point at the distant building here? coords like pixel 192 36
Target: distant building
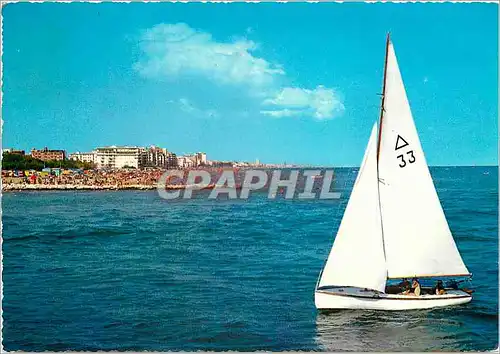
pixel 224 163
pixel 157 157
pixel 153 157
pixel 14 151
pixel 48 155
pixel 185 161
pixel 200 158
pixel 88 157
pixel 118 156
pixel 128 156
pixel 193 160
pixel 171 161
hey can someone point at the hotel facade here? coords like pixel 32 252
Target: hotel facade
pixel 88 157
pixel 128 156
pixel 48 155
pixel 118 156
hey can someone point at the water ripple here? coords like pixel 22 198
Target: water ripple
pixel 127 270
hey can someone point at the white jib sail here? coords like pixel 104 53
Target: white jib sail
pixel 417 239
pixel 357 256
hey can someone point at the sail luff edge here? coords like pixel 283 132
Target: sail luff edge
pixel 378 145
pixel 388 40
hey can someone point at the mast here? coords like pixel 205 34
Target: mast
pixel 379 140
pixel 383 95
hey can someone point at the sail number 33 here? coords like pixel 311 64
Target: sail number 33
pixel 401 143
pixel 402 161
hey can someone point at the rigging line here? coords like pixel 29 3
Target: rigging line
pixel 382 106
pixel 382 110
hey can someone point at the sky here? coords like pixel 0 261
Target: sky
pixel 296 82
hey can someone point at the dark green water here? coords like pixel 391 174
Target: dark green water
pixel 130 271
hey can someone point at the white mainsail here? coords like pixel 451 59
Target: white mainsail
pixel 417 239
pixel 357 256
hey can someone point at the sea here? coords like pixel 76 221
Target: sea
pixel 130 271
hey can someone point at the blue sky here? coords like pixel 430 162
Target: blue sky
pixel 278 82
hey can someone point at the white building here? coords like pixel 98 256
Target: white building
pixel 197 159
pixel 185 161
pixel 118 156
pixel 83 156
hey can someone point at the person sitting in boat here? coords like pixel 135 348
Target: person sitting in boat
pixel 439 288
pixel 415 288
pixel 404 286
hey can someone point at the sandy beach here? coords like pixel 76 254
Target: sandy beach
pixel 46 187
pixel 95 180
pixel 14 187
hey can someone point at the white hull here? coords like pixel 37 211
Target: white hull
pixel 348 298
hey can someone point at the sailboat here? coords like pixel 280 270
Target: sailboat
pixel 393 226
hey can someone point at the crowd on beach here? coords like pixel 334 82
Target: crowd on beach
pixel 114 179
pixel 92 179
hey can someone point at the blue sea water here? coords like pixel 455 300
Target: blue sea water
pixel 127 270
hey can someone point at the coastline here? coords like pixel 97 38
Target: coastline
pixel 71 187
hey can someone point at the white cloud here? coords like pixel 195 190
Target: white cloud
pixel 187 106
pixel 281 113
pixel 321 103
pixel 174 49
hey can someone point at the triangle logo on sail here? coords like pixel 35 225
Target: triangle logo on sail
pixel 400 143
